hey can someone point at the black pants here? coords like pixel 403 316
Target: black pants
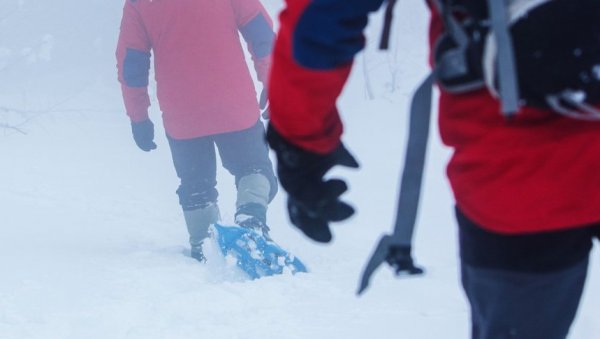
pixel 242 153
pixel 523 286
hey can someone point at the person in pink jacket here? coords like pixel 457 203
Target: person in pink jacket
pixel 207 97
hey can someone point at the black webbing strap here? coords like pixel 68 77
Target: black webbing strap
pixel 410 186
pixel 387 25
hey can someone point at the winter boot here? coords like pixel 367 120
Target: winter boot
pixel 251 204
pixel 253 216
pixel 198 221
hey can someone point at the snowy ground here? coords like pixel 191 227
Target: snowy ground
pixel 92 241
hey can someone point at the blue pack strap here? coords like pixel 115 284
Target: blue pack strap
pixel 507 77
pixel 410 186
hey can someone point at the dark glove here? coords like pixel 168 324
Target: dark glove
pixel 263 103
pixel 143 134
pixel 312 203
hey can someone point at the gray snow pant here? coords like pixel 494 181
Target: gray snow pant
pixel 524 286
pixel 242 153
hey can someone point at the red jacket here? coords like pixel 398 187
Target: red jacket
pixel 203 83
pixel 539 173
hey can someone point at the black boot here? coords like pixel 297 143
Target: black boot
pixel 197 253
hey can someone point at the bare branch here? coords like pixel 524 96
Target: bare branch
pixel 15 128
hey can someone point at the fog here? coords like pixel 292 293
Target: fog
pixel 92 239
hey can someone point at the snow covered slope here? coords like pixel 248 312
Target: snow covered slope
pixel 92 240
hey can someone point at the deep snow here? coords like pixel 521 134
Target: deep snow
pixel 92 241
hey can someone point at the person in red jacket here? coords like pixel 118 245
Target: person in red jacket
pixel 526 188
pixel 207 97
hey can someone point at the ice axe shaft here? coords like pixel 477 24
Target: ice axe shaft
pixel 395 248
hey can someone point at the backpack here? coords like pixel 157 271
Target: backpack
pixel 540 53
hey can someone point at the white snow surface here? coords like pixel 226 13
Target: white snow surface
pixel 93 242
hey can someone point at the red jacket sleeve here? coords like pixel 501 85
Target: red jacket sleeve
pixel 302 100
pixel 257 29
pixel 133 63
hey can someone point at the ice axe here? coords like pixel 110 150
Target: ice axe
pixel 395 249
pixel 263 104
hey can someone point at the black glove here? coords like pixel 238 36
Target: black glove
pixel 263 103
pixel 312 203
pixel 143 134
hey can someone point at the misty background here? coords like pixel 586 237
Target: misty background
pixel 92 240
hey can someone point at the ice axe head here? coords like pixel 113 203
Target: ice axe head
pixel 396 255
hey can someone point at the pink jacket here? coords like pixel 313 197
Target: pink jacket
pixel 204 86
